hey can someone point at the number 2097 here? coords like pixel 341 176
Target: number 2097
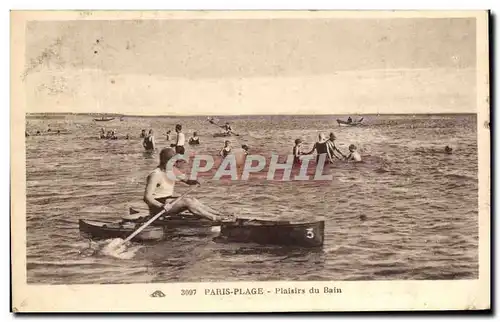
pixel 188 292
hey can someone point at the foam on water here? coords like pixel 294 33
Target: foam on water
pixel 117 249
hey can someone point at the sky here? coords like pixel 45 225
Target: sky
pixel 187 66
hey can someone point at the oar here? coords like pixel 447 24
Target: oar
pixel 211 121
pixel 158 215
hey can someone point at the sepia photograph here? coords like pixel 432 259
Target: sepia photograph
pixel 240 157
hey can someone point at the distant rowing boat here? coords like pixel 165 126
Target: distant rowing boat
pixel 353 123
pixel 104 119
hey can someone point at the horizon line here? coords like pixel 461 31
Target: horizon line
pixel 236 115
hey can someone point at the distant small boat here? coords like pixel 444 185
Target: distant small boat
pixel 104 119
pixel 353 123
pixel 58 132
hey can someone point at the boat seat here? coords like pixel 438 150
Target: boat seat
pixel 139 208
pixel 139 212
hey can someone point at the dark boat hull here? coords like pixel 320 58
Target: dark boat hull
pixel 106 230
pixel 104 120
pixel 353 123
pixel 266 232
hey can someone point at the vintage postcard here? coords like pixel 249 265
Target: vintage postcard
pixel 267 161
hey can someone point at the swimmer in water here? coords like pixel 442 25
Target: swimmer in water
pixel 226 150
pixel 297 151
pixel 321 147
pixel 353 155
pixel 245 149
pixel 448 150
pixel 333 151
pixel 181 139
pixel 149 142
pixel 194 140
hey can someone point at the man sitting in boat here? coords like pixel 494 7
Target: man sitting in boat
pixel 194 140
pixel 349 120
pixel 149 142
pixel 160 190
pixel 227 128
pixel 354 155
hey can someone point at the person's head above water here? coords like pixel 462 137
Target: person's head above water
pixel 178 128
pixel 144 131
pixel 227 143
pixel 448 149
pixel 245 147
pixel 151 131
pixel 165 155
pixel 298 141
pixel 332 136
pixel 195 134
pixel 352 148
pixel 321 137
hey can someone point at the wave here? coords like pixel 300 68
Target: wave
pixel 457 175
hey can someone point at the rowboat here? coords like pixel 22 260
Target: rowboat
pixel 105 230
pixel 353 123
pixel 265 232
pixel 104 119
pixel 268 232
